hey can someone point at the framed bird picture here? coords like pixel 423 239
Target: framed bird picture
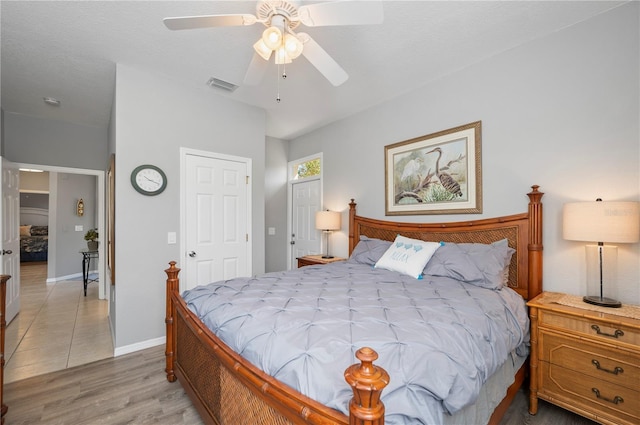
pixel 440 173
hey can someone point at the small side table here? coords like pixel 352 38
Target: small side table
pixel 87 255
pixel 312 260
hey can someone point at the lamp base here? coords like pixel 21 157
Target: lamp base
pixel 327 256
pixel 602 301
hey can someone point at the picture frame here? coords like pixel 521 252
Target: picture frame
pixel 440 173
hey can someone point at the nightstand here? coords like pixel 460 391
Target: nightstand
pixel 585 359
pixel 311 260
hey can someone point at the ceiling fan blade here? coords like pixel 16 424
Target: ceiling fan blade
pixel 348 12
pixel 256 70
pixel 208 21
pixel 322 61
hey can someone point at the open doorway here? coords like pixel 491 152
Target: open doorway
pixel 58 326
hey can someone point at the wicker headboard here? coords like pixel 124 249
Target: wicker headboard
pixel 523 231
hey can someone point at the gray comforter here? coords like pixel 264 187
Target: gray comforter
pixel 438 338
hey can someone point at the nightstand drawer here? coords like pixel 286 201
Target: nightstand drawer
pixel 602 399
pixel 612 333
pixel 598 361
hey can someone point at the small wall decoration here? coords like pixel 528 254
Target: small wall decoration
pixel 440 173
pixel 80 207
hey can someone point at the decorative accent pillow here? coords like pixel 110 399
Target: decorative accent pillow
pixel 407 256
pixel 484 265
pixel 39 230
pixel 368 250
pixel 25 230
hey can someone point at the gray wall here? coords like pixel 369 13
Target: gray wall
pixel 154 117
pixel 41 141
pixel 66 189
pixel 34 200
pixel 275 192
pixel 561 112
pixel 49 142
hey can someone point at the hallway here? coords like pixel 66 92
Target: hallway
pixel 57 327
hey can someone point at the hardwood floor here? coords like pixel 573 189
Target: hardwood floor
pixel 57 327
pixel 132 389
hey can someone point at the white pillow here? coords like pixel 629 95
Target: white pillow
pixel 407 256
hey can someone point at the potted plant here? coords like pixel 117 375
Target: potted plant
pixel 91 237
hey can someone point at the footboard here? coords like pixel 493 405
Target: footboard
pixel 226 389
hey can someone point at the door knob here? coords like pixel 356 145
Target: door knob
pixel 8 251
pixel 192 254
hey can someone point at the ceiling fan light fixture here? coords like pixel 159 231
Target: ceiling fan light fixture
pixel 272 37
pixel 292 46
pixel 262 49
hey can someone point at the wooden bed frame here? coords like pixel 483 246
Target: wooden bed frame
pixel 227 389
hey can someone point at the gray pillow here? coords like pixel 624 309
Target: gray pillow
pixel 484 265
pixel 368 251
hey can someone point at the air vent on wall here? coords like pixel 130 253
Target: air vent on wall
pixel 221 84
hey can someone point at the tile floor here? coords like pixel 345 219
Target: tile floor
pixel 57 326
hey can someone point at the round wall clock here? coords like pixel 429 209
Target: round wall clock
pixel 148 180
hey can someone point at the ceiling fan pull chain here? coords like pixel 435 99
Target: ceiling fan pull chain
pixel 284 50
pixel 278 83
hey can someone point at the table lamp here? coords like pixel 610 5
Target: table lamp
pixel 327 221
pixel 599 221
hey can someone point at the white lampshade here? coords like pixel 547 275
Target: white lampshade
pixel 262 49
pixel 328 220
pixel 292 45
pixel 272 37
pixel 599 221
pixel 281 56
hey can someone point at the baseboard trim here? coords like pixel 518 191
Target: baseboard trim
pixel 75 276
pixel 67 277
pixel 132 348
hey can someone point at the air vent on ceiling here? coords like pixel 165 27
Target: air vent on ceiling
pixel 221 84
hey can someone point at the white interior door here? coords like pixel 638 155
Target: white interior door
pixel 305 202
pixel 217 210
pixel 10 235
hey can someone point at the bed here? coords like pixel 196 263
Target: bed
pixel 226 388
pixel 34 234
pixel 34 243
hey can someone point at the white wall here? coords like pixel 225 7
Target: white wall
pixel 561 112
pixel 154 117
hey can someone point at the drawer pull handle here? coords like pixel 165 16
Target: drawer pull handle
pixel 616 400
pixel 616 334
pixel 615 371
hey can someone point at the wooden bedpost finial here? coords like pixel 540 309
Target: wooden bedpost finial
pixel 367 382
pixel 535 241
pixel 352 216
pixel 172 287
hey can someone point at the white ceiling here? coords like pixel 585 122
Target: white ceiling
pixel 68 50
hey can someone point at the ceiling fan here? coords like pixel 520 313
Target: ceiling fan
pixel 282 17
